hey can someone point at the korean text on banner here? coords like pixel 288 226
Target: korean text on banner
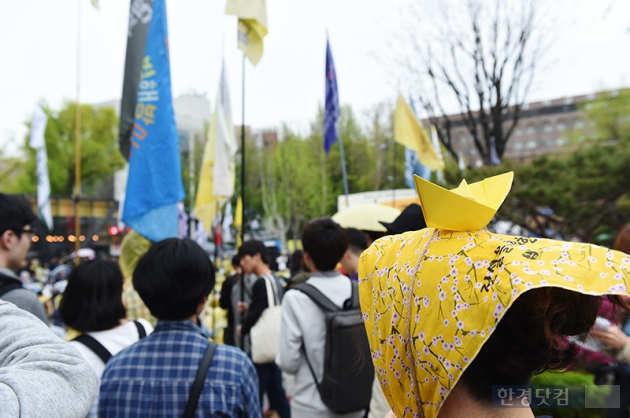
pixel 154 185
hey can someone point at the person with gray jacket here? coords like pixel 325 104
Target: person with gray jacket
pixel 40 374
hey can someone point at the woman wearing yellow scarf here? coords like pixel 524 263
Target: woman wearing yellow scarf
pixel 453 309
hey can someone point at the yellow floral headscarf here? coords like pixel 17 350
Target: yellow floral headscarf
pixel 432 298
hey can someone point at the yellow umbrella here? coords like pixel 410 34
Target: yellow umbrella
pixel 366 217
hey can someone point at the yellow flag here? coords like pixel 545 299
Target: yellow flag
pixel 409 132
pixel 238 221
pixel 206 203
pixel 252 26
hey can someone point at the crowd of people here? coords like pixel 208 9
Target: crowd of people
pixel 423 321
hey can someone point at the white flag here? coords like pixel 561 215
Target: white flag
pixel 226 145
pixel 228 220
pixel 37 142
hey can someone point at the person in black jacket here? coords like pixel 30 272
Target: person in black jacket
pixel 226 300
pixel 254 258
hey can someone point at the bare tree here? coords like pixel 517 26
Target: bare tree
pixel 479 56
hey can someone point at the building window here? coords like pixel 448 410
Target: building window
pixel 463 139
pixel 473 151
pixel 531 144
pixel 518 146
pixel 561 126
pixel 530 130
pixel 518 132
pixel 562 141
pixel 547 127
pixel 478 163
pixel 579 124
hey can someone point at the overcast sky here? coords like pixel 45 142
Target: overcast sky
pixel 38 55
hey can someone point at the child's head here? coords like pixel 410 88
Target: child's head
pixel 325 242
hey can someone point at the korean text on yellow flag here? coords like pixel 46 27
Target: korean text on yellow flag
pixel 252 26
pixel 409 132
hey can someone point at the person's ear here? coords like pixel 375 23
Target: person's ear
pixel 308 261
pixel 6 239
pixel 202 305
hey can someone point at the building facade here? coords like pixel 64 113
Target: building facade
pixel 544 128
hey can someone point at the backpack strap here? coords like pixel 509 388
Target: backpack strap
pixel 310 367
pixel 9 286
pixel 318 297
pixel 200 379
pixel 95 346
pixel 353 301
pixel 141 331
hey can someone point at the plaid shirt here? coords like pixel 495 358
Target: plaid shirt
pixel 153 377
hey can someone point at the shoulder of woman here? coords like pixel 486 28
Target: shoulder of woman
pixel 146 324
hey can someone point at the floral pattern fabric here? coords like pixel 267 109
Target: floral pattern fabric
pixel 432 298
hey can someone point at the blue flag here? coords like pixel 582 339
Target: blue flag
pixel 154 185
pixel 412 163
pixel 332 110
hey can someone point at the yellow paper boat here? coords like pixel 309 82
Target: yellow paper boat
pixel 469 207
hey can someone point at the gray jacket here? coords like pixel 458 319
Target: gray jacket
pixel 40 374
pixel 22 298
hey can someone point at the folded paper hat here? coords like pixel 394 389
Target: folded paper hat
pixel 432 298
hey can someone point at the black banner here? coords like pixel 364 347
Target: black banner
pixel 140 13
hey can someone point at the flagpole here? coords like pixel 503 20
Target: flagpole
pixel 191 183
pixel 77 153
pixel 244 220
pixel 394 176
pixel 343 164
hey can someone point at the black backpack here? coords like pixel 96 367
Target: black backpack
pixel 348 372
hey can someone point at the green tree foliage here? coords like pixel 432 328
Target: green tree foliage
pixel 295 181
pixel 10 168
pixel 100 156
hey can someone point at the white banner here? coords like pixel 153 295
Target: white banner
pixel 228 220
pixel 38 142
pixel 226 145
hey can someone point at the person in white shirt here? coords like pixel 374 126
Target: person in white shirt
pixel 92 304
pixel 324 243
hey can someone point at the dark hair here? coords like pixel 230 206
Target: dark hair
pixel 92 300
pixel 253 247
pixel 236 261
pixel 531 338
pixel 15 213
pixel 173 277
pixel 325 242
pixel 358 241
pixel 374 235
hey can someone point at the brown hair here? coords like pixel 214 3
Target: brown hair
pixel 531 338
pixel 622 242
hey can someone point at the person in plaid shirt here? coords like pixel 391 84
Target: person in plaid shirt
pixel 153 377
